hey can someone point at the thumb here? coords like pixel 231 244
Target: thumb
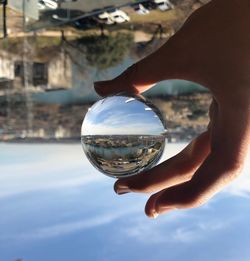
pixel 165 63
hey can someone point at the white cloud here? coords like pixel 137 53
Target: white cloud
pixel 184 234
pixel 34 185
pixel 68 228
pixel 151 231
pixel 182 227
pixel 199 230
pixel 120 123
pixel 62 229
pixel 53 167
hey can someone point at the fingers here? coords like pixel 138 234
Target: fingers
pixel 166 63
pixel 206 182
pixel 230 142
pixel 177 169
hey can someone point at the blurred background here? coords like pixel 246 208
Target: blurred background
pixel 53 204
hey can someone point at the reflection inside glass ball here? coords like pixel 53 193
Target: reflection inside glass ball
pixel 123 135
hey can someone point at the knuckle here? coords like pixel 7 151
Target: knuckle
pixel 142 187
pixel 194 201
pixel 143 183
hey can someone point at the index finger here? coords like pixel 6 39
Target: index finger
pixel 168 62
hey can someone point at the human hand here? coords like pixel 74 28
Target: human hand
pixel 213 49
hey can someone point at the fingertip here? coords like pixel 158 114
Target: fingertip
pixel 100 87
pixel 97 84
pixel 121 188
pixel 150 210
pixel 152 215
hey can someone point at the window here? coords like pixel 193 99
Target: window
pixel 18 69
pixel 40 74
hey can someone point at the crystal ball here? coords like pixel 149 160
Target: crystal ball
pixel 123 135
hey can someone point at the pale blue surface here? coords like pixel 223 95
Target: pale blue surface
pixel 55 206
pixel 119 115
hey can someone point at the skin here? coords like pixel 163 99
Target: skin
pixel 213 49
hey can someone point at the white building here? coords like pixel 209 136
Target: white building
pixel 55 73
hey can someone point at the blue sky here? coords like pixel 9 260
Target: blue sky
pixel 55 206
pixel 121 115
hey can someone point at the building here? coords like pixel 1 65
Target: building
pixel 17 73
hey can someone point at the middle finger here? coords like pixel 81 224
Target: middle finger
pixel 175 170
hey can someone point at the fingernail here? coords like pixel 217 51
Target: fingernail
pixel 121 189
pixel 152 214
pixel 155 214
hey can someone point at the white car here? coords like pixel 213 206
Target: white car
pixel 52 4
pixel 118 16
pixel 47 4
pixel 106 18
pixel 163 5
pixel 66 1
pixel 114 16
pixel 140 9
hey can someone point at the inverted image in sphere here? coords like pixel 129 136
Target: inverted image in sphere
pixel 123 135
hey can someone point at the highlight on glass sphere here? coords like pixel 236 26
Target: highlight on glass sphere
pixel 123 135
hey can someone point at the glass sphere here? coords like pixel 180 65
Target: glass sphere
pixel 123 135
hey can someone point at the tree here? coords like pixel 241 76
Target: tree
pixel 106 51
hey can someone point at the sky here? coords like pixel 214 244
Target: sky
pixel 55 206
pixel 120 115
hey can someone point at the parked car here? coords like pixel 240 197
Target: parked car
pixel 47 4
pixel 105 18
pixel 113 16
pixel 84 23
pixel 66 1
pixel 140 9
pixel 51 4
pixel 119 16
pixel 150 5
pixel 163 5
